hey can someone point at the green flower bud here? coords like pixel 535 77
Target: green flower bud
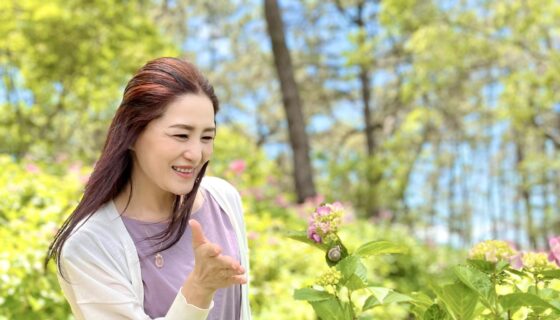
pixel 330 278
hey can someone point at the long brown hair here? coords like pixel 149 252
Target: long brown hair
pixel 145 98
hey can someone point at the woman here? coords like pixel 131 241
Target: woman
pixel 126 251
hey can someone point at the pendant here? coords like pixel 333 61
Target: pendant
pixel 159 260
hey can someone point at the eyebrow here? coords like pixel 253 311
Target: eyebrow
pixel 188 127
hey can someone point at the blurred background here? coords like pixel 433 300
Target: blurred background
pixel 436 123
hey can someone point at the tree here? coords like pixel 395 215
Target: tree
pixel 64 65
pixel 302 170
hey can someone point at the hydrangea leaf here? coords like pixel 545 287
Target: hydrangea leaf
pixel 379 247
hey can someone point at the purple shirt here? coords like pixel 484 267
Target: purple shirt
pixel 161 285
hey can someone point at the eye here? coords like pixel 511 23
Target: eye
pixel 181 136
pixel 208 138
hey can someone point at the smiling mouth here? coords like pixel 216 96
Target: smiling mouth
pixel 183 170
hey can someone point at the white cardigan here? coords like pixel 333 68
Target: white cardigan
pixel 102 278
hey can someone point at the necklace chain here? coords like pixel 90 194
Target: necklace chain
pixel 158 258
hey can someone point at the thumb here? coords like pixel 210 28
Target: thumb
pixel 198 237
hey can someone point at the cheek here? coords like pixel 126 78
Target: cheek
pixel 207 151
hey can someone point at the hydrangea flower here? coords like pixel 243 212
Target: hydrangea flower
pixel 329 279
pixel 537 261
pixel 324 222
pixel 554 254
pixel 493 251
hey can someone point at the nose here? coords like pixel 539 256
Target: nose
pixel 193 151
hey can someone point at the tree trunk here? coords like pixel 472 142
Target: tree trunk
pixel 365 84
pixel 525 195
pixel 466 214
pixel 299 141
pixel 451 196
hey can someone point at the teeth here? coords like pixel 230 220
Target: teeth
pixel 183 170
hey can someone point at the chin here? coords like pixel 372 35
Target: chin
pixel 181 191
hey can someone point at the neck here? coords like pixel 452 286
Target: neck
pixel 149 206
pixel 144 206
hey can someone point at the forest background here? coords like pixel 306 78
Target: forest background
pixel 436 123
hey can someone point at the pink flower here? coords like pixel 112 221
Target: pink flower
pixel 314 201
pixel 337 206
pixel 325 227
pixel 257 193
pixel 312 233
pixel 324 222
pixel 281 201
pixel 252 235
pixel 323 211
pixel 75 168
pixel 238 166
pixel 554 254
pixel 516 261
pixel 31 168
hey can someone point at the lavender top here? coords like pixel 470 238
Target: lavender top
pixel 161 285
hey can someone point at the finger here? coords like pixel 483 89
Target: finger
pixel 232 271
pixel 198 237
pixel 228 262
pixel 229 277
pixel 211 250
pixel 238 280
pixel 237 268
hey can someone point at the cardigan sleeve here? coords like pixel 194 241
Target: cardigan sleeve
pixel 96 289
pixel 230 200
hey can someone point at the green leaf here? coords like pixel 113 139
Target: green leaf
pixel 395 297
pixel 515 301
pixel 501 266
pixel 310 294
pixel 378 248
pixel 354 273
pixel 435 312
pixel 331 309
pixel 421 299
pixel 301 236
pixel 477 281
pixel 420 303
pixel 459 300
pixel 383 296
pixel 356 283
pixel 517 272
pixel 487 266
pixel 482 265
pixel 370 302
pixel 551 274
pixel 348 310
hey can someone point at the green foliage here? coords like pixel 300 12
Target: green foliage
pixel 448 76
pixel 495 290
pixel 35 198
pixel 32 204
pixel 333 295
pixel 65 65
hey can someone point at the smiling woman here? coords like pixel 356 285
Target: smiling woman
pixel 172 149
pixel 152 238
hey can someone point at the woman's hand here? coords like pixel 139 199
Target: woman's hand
pixel 212 270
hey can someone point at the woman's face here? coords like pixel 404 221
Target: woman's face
pixel 170 152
